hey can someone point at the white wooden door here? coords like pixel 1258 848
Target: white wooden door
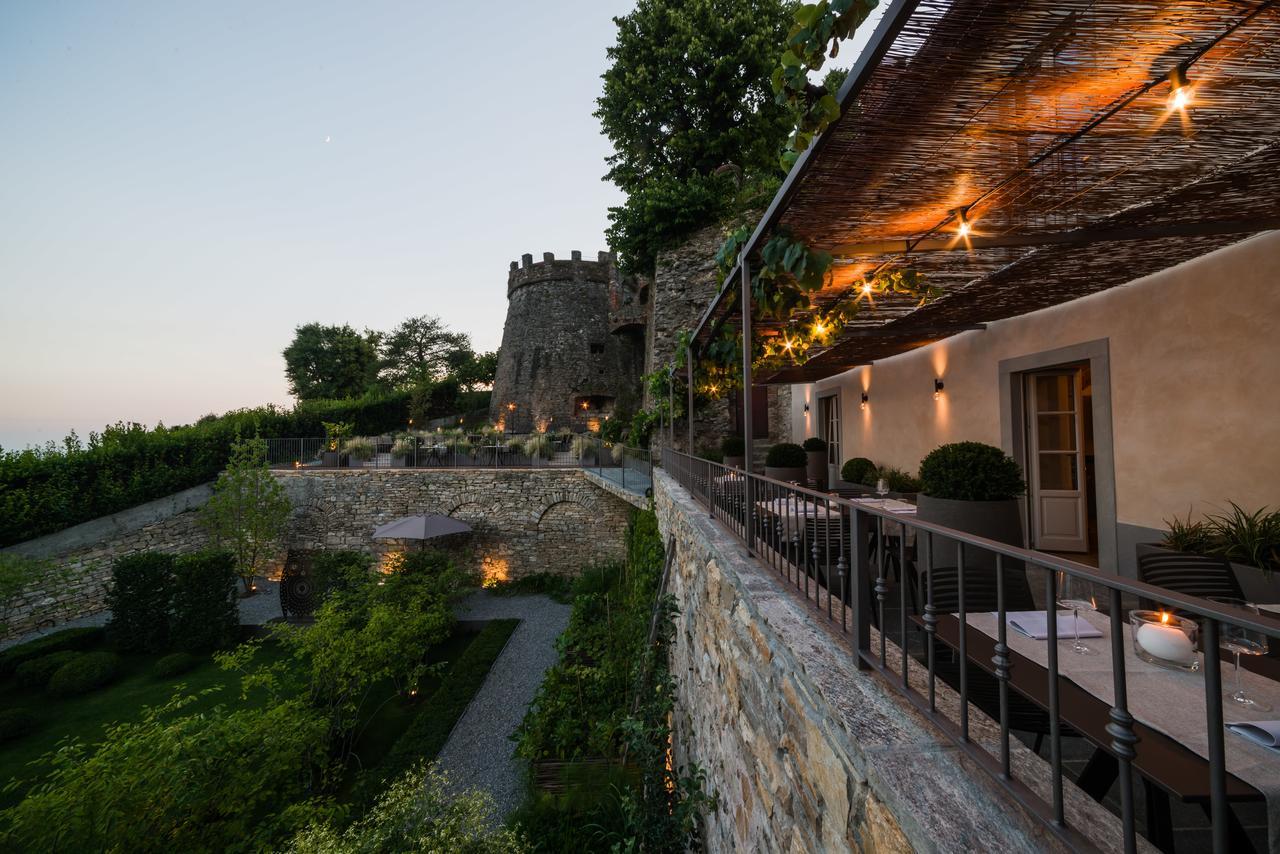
pixel 829 431
pixel 1055 443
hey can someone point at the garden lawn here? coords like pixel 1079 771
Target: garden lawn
pixel 136 687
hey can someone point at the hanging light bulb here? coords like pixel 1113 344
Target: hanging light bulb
pixel 963 229
pixel 1180 91
pixel 866 288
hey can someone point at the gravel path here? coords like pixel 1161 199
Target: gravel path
pixel 479 753
pixel 254 611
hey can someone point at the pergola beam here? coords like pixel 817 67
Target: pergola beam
pixel 1077 237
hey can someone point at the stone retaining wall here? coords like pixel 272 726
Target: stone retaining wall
pixel 803 751
pixel 525 521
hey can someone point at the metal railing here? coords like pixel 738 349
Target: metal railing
pixel 630 467
pixel 808 537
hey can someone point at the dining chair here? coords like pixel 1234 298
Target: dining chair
pixel 1196 575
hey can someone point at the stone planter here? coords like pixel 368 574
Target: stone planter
pixel 817 470
pixel 1253 582
pixel 995 520
pixel 785 474
pixel 736 462
pixel 330 459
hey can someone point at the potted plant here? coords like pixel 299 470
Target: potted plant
pixel 334 433
pixel 786 461
pixel 584 448
pixel 816 465
pixel 540 446
pixel 974 488
pixel 897 481
pixel 734 449
pixel 404 451
pixel 1249 541
pixel 859 471
pixel 359 449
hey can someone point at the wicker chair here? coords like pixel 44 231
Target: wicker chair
pixel 1194 575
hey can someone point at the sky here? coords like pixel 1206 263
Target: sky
pixel 183 184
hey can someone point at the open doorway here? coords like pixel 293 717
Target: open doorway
pixel 1060 461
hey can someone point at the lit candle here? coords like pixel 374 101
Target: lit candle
pixel 1165 641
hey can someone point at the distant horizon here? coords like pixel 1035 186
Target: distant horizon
pixel 188 184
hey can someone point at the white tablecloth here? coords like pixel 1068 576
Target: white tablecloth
pixel 1171 701
pixel 792 512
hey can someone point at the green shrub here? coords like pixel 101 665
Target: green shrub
pixel 733 446
pixel 78 638
pixel 813 443
pixel 970 471
pixel 1248 538
pixel 84 673
pixel 786 455
pixel 713 454
pixel 558 587
pixel 340 571
pixel 859 470
pixel 174 664
pixel 15 723
pixel 139 599
pixel 36 672
pixel 203 612
pixel 431 726
pixel 898 480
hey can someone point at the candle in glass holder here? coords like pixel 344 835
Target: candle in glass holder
pixel 1162 638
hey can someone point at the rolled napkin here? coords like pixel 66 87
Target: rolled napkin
pixel 1035 625
pixel 1265 733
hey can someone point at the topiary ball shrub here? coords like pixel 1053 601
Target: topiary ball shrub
pixel 141 590
pixel 970 471
pixel 859 470
pixel 174 664
pixel 37 672
pixel 813 443
pixel 733 446
pixel 786 455
pixel 85 673
pixel 15 723
pixel 81 638
pixel 204 613
pixel 715 455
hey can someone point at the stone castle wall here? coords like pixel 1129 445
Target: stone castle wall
pixel 525 521
pixel 557 350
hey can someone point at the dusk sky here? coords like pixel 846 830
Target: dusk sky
pixel 171 210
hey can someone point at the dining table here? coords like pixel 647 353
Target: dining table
pixel 1168 705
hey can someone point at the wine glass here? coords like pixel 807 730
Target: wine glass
pixel 1076 594
pixel 1241 641
pixel 882 487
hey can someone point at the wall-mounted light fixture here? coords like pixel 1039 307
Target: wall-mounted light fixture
pixel 865 397
pixel 937 388
pixel 806 407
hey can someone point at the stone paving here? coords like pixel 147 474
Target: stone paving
pixel 479 753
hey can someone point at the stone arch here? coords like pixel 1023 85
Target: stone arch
pixel 567 516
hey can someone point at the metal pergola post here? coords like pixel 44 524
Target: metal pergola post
pixel 745 266
pixel 688 415
pixel 671 409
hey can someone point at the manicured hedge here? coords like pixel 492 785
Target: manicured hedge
pixel 141 591
pixel 44 490
pixel 203 610
pixel 37 672
pixel 430 729
pixel 84 673
pixel 15 723
pixel 174 664
pixel 80 638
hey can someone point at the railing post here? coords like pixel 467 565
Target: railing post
pixel 1217 750
pixel 1120 729
pixel 748 510
pixel 859 536
pixel 688 415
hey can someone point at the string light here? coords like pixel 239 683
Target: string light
pixel 963 229
pixel 1180 90
pixel 866 288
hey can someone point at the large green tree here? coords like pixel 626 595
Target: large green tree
pixel 690 110
pixel 249 510
pixel 421 348
pixel 331 362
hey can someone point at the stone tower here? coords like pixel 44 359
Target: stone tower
pixel 568 359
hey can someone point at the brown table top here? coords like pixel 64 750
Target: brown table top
pixel 1178 770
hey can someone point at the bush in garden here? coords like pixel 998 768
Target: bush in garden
pixel 174 664
pixel 344 571
pixel 419 812
pixel 211 781
pixel 786 455
pixel 859 470
pixel 141 591
pixel 78 638
pixel 970 471
pixel 84 673
pixel 36 672
pixel 15 723
pixel 813 443
pixel 733 446
pixel 203 614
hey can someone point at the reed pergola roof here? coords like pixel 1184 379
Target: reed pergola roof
pixel 1047 126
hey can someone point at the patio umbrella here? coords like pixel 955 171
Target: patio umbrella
pixel 420 528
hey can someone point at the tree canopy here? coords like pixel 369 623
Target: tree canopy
pixel 689 107
pixel 421 348
pixel 331 362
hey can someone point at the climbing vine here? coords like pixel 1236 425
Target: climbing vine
pixel 815 35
